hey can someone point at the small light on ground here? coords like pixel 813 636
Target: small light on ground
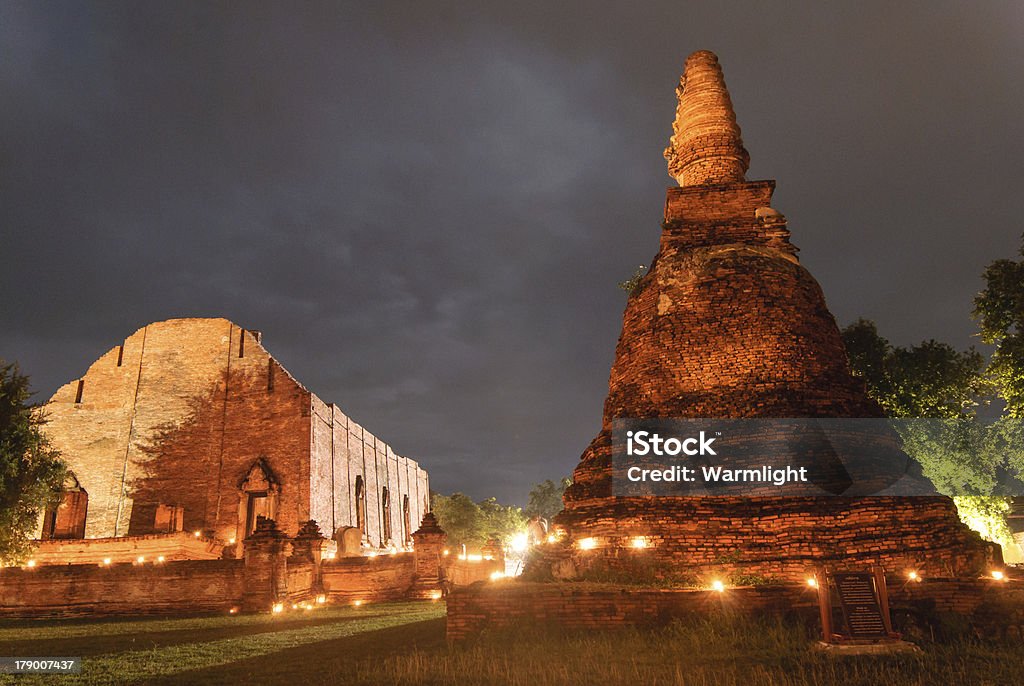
pixel 445 551
pixel 998 575
pixel 357 603
pixel 30 563
pixel 497 575
pixel 231 541
pixel 330 556
pixel 233 611
pixel 106 562
pixel 551 538
pixel 160 558
pixel 140 559
pixel 639 542
pixel 197 533
pixel 718 586
pixel 435 595
pixel 278 608
pixel 321 599
pixel 812 582
pixel 913 576
pixel 587 543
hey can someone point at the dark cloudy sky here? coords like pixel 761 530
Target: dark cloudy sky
pixel 426 206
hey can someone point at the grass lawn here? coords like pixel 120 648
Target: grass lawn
pixel 404 643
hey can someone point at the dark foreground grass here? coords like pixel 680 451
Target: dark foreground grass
pixel 403 643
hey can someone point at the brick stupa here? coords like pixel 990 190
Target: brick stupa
pixel 726 323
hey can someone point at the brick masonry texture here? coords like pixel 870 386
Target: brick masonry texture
pixel 727 323
pixel 275 568
pixel 994 609
pixel 184 411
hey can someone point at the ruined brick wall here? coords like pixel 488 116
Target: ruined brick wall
pixel 176 546
pixel 181 414
pixel 384 577
pixel 78 590
pixel 341 451
pixel 995 610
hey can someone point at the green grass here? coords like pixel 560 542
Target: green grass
pixel 403 643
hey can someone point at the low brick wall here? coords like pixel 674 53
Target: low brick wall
pixel 174 546
pixel 465 572
pixel 384 577
pixel 74 590
pixel 995 608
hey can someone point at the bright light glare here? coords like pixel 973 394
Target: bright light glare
pixel 519 543
pixel 497 575
pixel 639 542
pixel 587 543
pixel 278 608
pixel 717 585
pixel 998 575
pixel 812 582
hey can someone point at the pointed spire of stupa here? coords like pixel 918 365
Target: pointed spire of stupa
pixel 706 146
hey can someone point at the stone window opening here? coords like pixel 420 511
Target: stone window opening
pixel 406 522
pixel 360 505
pixel 385 499
pixel 66 519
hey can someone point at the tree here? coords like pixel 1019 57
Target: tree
pixel 31 471
pixel 473 524
pixel 999 311
pixel 546 498
pixel 962 456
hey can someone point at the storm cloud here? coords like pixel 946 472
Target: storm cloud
pixel 426 207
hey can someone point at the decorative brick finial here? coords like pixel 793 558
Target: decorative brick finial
pixel 706 147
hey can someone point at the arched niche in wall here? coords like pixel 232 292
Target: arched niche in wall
pixel 66 518
pixel 260 492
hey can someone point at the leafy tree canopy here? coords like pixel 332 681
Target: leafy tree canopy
pixel 31 471
pixel 999 311
pixel 546 498
pixel 471 524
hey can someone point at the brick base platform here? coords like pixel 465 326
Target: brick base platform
pixel 993 609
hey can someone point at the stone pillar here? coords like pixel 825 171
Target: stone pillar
pixel 309 543
pixel 308 548
pixel 428 542
pixel 266 566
